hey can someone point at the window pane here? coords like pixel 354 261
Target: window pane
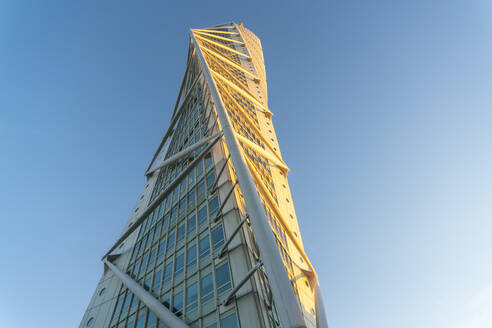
pixel 191 225
pixel 170 242
pixel 192 297
pixel 210 180
pixel 174 214
pixel 147 283
pixel 151 321
pixel 223 278
pixel 152 258
pixel 229 322
pixel 208 160
pixel 213 204
pixel 204 247
pixel 181 232
pixel 157 280
pixel 191 198
pixel 217 237
pixel 118 307
pixel 202 216
pixel 207 288
pixel 191 256
pixel 178 303
pixel 135 269
pixel 179 265
pixel 165 222
pixel 126 304
pixel 144 263
pixel 199 168
pixel 201 191
pixel 157 231
pixel 141 321
pixel 168 272
pixel 182 206
pixel 162 248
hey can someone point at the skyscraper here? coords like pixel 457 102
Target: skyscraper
pixel 213 240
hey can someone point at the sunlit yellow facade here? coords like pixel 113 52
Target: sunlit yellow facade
pixel 252 121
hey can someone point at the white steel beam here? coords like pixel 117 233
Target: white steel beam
pixel 184 152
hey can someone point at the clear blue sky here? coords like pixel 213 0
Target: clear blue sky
pixel 383 111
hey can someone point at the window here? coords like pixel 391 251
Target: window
pixel 179 265
pixel 126 303
pixel 168 273
pixel 131 322
pixel 191 198
pixel 199 168
pixel 141 320
pixel 174 214
pixel 210 180
pixel 182 206
pixel 213 204
pixel 162 248
pixel 152 258
pixel 181 232
pixel 183 187
pixel 202 216
pixel 191 256
pixel 134 305
pixel 165 222
pixel 175 194
pixel 204 247
pixel 229 322
pixel 191 225
pixel 207 288
pixel 157 231
pixel 135 269
pixel 102 291
pixel 217 237
pixel 144 263
pixel 208 160
pixel 157 281
pixel 90 322
pixel 147 283
pixel 118 307
pixel 192 297
pixel 178 304
pixel 191 177
pixel 142 246
pixel 170 242
pixel 151 321
pixel 223 278
pixel 201 191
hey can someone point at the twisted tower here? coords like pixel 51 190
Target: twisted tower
pixel 214 240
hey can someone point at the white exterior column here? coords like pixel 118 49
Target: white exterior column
pixel 288 306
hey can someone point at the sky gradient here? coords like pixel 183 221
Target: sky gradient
pixel 383 111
